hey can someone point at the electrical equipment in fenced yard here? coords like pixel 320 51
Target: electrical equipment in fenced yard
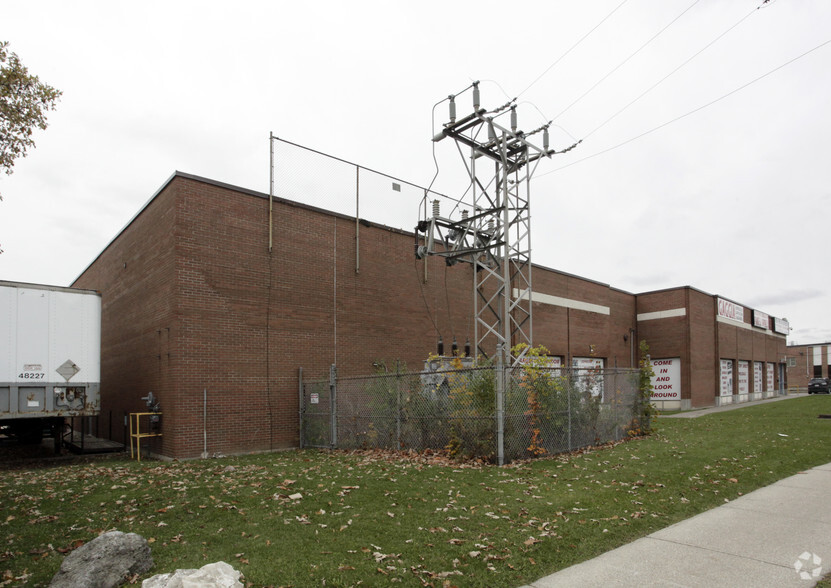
pixel 436 371
pixel 494 234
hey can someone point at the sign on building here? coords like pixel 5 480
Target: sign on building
pixel 666 381
pixel 589 373
pixel 730 310
pixel 761 320
pixel 726 387
pixel 757 376
pixel 744 377
pixel 781 326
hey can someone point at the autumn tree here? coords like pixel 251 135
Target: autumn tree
pixel 24 102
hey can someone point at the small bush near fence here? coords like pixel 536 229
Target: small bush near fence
pixel 545 410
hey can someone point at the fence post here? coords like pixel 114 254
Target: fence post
pixel 500 407
pixel 397 405
pixel 568 396
pixel 333 406
pixel 300 405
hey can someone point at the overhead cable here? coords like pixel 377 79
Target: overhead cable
pixel 702 107
pixel 622 63
pixel 663 79
pixel 583 38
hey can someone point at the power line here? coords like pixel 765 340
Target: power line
pixel 622 63
pixel 663 79
pixel 702 107
pixel 539 77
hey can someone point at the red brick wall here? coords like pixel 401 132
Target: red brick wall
pixel 623 343
pixel 202 306
pixel 191 316
pixel 799 375
pixel 661 300
pixel 571 332
pixel 703 364
pixel 700 340
pixel 666 337
pixel 136 277
pixel 749 343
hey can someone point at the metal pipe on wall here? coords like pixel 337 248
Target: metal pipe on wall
pixel 357 219
pixel 271 192
pixel 204 423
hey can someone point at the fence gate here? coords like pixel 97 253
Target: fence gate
pixel 317 412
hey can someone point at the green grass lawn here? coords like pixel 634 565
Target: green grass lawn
pixel 310 518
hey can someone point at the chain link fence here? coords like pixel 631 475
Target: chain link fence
pixel 498 414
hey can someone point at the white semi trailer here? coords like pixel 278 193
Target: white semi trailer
pixel 50 358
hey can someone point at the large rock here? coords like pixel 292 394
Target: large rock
pixel 214 575
pixel 105 562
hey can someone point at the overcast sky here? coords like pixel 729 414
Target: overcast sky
pixel 734 198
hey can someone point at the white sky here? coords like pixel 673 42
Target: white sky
pixel 733 199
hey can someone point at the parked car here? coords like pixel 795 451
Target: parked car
pixel 819 386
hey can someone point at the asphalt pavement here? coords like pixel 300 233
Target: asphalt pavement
pixel 779 535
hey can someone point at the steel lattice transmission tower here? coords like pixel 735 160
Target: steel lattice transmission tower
pixel 495 234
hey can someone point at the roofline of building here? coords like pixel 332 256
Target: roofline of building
pixel 218 184
pixel 286 202
pixel 687 287
pixel 700 291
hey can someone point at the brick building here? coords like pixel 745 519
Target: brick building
pixel 808 361
pixel 719 351
pixel 197 310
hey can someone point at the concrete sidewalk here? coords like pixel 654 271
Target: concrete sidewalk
pixel 759 539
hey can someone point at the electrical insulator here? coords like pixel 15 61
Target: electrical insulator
pixel 545 139
pixel 513 118
pixel 467 348
pixel 440 347
pixel 476 101
pixel 436 208
pixel 452 108
pixel 464 215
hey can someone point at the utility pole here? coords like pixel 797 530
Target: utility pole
pixel 494 235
